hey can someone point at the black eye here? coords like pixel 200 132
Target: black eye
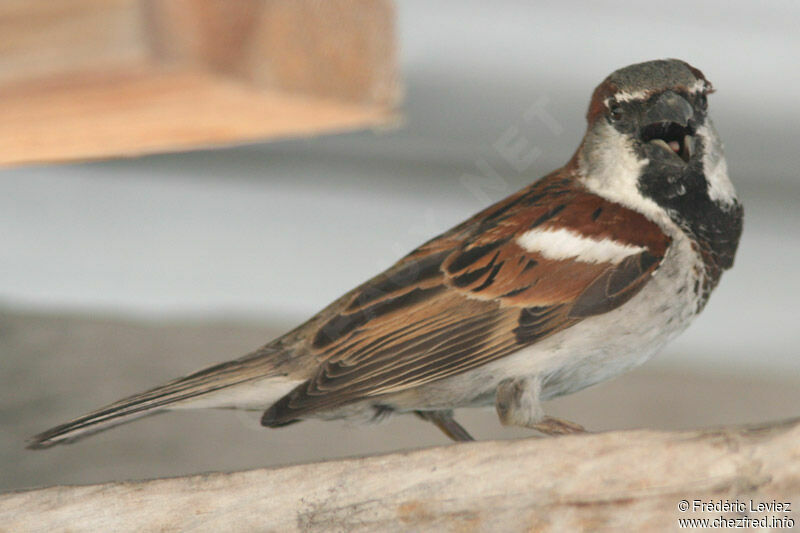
pixel 615 112
pixel 702 101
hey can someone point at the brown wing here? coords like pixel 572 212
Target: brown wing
pixel 469 297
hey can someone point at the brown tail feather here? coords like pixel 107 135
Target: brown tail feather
pixel 254 367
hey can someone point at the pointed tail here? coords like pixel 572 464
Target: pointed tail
pixel 259 365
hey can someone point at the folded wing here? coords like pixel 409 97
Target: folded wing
pixel 519 271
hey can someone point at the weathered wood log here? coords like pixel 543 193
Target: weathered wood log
pixel 617 481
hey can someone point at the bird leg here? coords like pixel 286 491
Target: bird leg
pixel 444 421
pixel 518 404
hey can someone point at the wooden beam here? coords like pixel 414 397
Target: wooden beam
pixel 85 79
pixel 619 481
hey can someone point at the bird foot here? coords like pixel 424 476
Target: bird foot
pixel 556 426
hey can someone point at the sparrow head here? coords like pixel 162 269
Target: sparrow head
pixel 650 143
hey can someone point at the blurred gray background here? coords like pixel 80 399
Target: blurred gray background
pixel 119 275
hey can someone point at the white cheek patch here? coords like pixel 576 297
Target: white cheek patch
pixel 720 188
pixel 610 168
pixel 560 244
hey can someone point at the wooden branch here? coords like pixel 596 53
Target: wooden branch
pixel 83 79
pixel 619 481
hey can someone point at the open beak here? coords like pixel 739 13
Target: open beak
pixel 667 125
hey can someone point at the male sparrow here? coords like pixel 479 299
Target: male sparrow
pixel 573 280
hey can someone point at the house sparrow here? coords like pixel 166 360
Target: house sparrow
pixel 573 280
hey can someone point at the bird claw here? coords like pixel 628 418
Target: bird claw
pixel 556 426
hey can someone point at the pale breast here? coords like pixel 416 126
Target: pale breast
pixel 605 346
pixel 595 349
